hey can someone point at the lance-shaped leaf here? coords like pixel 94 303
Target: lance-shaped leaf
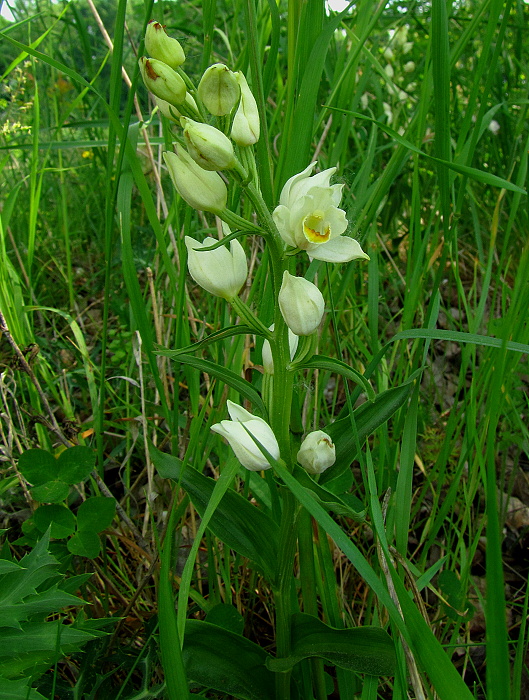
pixel 368 417
pixel 236 522
pixel 227 376
pixel 331 364
pixel 361 649
pixel 227 662
pixel 344 504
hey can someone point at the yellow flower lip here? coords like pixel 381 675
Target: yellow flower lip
pixel 315 228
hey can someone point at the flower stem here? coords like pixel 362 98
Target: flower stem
pixel 283 587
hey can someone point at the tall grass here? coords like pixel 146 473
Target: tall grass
pixel 433 151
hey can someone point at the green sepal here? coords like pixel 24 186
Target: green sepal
pixel 236 522
pixel 367 650
pixel 226 662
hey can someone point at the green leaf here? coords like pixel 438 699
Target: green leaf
pixel 362 649
pixel 19 690
pixel 226 616
pixel 96 514
pixel 36 644
pixel 51 492
pixel 37 466
pixel 368 417
pixel 333 365
pixel 61 520
pixel 214 337
pixel 236 522
pixel 236 382
pixel 331 502
pixel 226 662
pixel 85 543
pixel 76 463
pixel 7 566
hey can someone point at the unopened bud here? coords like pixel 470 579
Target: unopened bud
pixel 162 80
pixel 219 90
pixel 246 126
pixel 208 147
pixel 201 189
pixel 317 452
pixel 301 303
pixel 172 112
pixel 162 47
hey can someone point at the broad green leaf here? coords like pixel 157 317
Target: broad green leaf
pixel 361 649
pixel 226 616
pixel 226 662
pixel 331 502
pixel 85 543
pixel 19 690
pixel 368 417
pixel 236 522
pixel 61 520
pixel 76 463
pixel 7 566
pixel 15 610
pixel 96 513
pixel 51 492
pixel 36 645
pixel 38 466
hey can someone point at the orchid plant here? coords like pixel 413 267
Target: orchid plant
pixel 215 127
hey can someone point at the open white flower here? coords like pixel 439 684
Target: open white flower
pixel 308 217
pixel 246 450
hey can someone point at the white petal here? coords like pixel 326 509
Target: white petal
pixel 285 192
pixel 281 217
pixel 338 250
pixel 238 413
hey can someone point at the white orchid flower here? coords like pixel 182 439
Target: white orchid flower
pixel 246 450
pixel 308 217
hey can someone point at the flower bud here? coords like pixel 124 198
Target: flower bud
pixel 221 272
pixel 219 90
pixel 317 452
pixel 245 129
pixel 409 67
pixel 268 362
pixel 208 147
pixel 162 80
pixel 162 47
pixel 246 450
pixel 201 189
pixel 301 304
pixel 172 112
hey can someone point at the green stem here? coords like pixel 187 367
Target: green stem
pixel 307 575
pixel 283 587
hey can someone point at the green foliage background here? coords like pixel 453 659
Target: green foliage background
pixel 92 269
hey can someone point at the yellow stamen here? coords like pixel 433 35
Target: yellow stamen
pixel 315 229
